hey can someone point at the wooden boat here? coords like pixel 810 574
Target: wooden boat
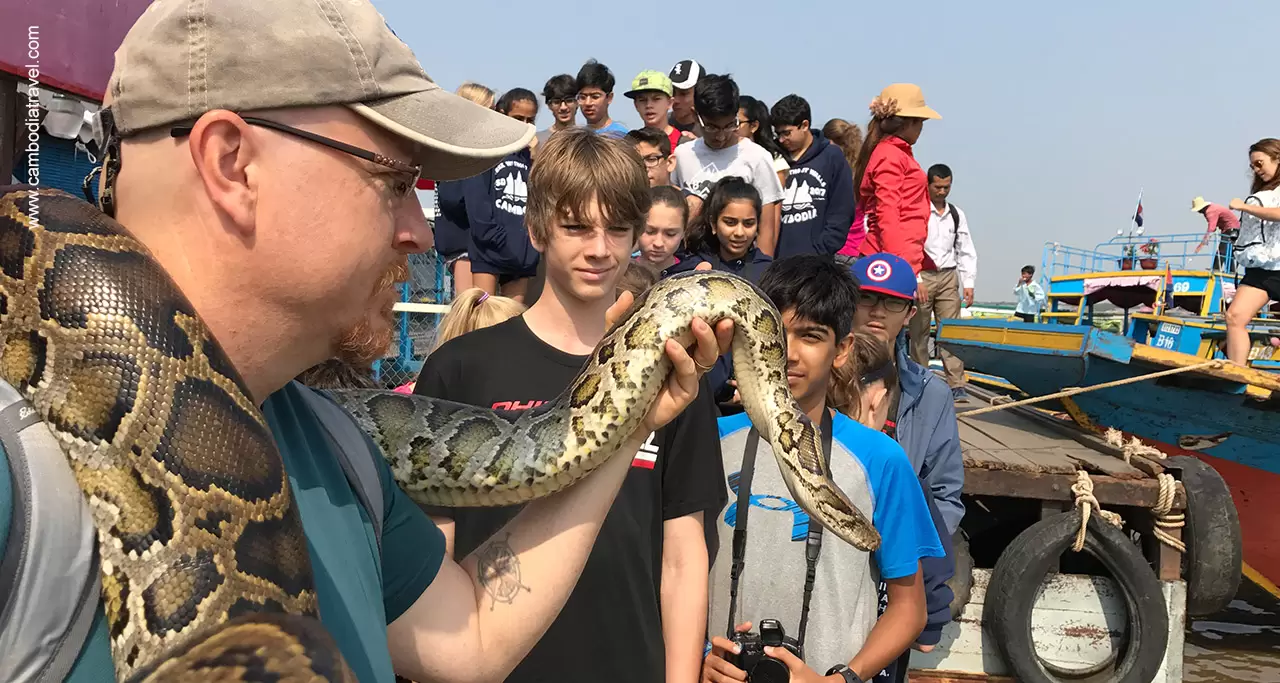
pixel 1172 318
pixel 1226 416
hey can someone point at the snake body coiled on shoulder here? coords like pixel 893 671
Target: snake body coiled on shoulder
pixel 205 568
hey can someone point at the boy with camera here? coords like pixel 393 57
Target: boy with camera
pixel 785 570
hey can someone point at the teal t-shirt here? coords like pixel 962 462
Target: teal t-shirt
pixel 360 592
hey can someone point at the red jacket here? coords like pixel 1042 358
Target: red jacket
pixel 895 196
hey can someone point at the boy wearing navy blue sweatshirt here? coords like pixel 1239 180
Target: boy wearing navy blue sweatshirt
pixel 502 258
pixel 817 203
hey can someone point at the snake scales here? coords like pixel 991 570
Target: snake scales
pixel 205 570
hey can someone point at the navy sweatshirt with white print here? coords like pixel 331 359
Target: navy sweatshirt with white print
pixel 817 202
pixel 495 209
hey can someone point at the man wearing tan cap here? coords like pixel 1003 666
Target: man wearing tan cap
pixel 266 154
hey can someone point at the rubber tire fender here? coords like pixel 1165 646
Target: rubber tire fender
pixel 1215 557
pixel 1015 583
pixel 961 583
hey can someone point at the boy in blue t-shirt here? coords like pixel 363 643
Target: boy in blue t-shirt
pixel 842 633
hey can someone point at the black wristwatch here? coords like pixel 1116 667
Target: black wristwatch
pixel 847 673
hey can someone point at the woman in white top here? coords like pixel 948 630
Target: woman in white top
pixel 1257 247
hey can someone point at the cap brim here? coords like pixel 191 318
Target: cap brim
pixel 456 137
pixel 631 94
pixel 920 113
pixel 886 292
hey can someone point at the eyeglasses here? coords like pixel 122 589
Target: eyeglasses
pixel 402 190
pixel 892 304
pixel 561 102
pixel 653 160
pixel 719 130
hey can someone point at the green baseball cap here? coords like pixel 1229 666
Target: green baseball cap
pixel 650 81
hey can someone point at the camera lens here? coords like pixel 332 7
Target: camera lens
pixel 770 671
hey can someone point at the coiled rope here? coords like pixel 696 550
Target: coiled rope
pixel 1164 520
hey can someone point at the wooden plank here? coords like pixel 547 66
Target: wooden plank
pixel 1023 427
pixel 1168 560
pixel 1043 444
pixel 1076 433
pixel 1109 491
pixel 1001 456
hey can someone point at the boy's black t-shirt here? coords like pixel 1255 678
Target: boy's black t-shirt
pixel 612 622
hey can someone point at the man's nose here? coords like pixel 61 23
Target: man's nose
pixel 413 233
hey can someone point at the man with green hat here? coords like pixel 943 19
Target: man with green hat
pixel 652 92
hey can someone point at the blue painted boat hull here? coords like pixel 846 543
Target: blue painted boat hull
pixel 1192 413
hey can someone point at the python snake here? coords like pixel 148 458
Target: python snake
pixel 205 569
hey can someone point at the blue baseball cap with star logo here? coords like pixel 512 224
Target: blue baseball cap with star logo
pixel 886 274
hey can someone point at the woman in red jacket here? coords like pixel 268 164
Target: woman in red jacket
pixel 892 188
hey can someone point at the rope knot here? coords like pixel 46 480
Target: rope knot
pixel 1164 520
pixel 1083 491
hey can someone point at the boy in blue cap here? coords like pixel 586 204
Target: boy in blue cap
pixel 923 419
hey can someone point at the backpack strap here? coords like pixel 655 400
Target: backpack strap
pixel 955 222
pixel 50 585
pixel 354 451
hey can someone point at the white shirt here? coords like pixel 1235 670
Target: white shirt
pixel 698 167
pixel 948 249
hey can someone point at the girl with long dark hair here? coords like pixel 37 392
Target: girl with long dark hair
pixel 724 234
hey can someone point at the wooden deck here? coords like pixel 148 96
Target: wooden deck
pixel 1024 453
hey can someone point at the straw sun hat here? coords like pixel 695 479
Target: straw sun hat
pixel 903 99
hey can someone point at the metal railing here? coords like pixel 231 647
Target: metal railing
pixel 429 283
pixel 1176 250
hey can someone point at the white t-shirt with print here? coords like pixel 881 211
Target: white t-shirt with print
pixel 698 167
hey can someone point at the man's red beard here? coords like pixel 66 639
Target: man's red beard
pixel 369 339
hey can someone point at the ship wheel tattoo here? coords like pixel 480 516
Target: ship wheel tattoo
pixel 498 569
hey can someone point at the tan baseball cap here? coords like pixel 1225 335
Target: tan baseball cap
pixel 183 58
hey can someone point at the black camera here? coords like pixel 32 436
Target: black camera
pixel 762 668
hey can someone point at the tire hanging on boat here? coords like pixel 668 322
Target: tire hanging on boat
pixel 1015 583
pixel 961 583
pixel 1215 557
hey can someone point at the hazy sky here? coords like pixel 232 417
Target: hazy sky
pixel 1054 116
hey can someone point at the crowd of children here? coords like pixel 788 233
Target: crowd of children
pixel 665 556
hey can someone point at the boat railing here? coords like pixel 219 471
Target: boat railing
pixel 1138 252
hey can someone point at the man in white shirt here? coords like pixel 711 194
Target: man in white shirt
pixel 950 264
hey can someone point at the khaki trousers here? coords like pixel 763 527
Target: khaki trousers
pixel 944 302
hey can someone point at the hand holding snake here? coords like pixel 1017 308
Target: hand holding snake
pixel 205 569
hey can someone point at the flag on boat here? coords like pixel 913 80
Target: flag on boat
pixel 1137 216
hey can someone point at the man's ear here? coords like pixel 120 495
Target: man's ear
pixel 843 349
pixel 226 159
pixel 671 163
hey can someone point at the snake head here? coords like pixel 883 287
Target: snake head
pixel 840 516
